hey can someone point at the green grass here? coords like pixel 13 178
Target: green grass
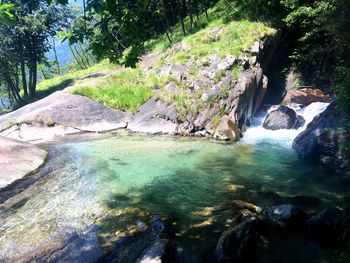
pixel 125 91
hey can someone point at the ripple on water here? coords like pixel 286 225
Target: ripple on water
pixel 117 182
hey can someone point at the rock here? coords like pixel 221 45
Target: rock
pixel 320 142
pixel 255 50
pixel 227 63
pixel 260 94
pixel 172 88
pixel 282 118
pixel 154 117
pixel 18 159
pixel 238 243
pixel 68 110
pixel 286 214
pixel 331 226
pixel 227 130
pixel 242 99
pixel 306 96
pixel 154 253
pixel 180 72
pixel 38 132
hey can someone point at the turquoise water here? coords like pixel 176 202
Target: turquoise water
pixel 98 189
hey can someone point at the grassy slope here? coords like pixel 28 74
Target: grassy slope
pixel 128 89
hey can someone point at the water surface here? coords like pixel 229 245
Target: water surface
pixel 94 190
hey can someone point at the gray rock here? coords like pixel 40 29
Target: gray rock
pixel 172 88
pixel 18 159
pixel 282 118
pixel 256 48
pixel 154 117
pixel 227 63
pixel 38 132
pixel 180 72
pixel 69 110
pixel 320 142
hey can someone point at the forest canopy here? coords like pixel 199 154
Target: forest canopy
pixel 118 30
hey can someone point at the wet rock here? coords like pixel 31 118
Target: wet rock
pixel 286 214
pixel 331 226
pixel 306 96
pixel 154 117
pixel 154 253
pixel 238 243
pixel 227 130
pixel 36 132
pixel 282 118
pixel 320 142
pixel 17 159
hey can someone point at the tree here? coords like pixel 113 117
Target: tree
pixel 119 29
pixel 25 43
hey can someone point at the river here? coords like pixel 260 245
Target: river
pixel 95 187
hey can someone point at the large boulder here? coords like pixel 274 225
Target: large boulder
pixel 227 130
pixel 238 243
pixel 154 117
pixel 331 226
pixel 18 159
pixel 283 118
pixel 306 96
pixel 321 141
pixel 68 110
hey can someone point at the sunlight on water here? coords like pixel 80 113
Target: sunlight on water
pixel 111 184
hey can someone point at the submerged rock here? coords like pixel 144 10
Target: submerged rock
pixel 321 141
pixel 238 243
pixel 283 118
pixel 286 214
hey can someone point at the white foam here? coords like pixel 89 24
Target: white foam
pixel 257 133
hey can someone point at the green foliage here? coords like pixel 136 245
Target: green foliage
pixel 6 13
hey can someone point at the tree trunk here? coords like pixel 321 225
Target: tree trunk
pixel 24 78
pixel 75 57
pixel 56 57
pixel 181 18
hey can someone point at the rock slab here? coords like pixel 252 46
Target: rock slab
pixel 17 159
pixel 69 110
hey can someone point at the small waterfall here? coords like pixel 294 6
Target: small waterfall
pixel 257 133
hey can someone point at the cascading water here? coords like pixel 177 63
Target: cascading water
pixel 257 133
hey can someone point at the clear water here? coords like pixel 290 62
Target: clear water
pixel 93 190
